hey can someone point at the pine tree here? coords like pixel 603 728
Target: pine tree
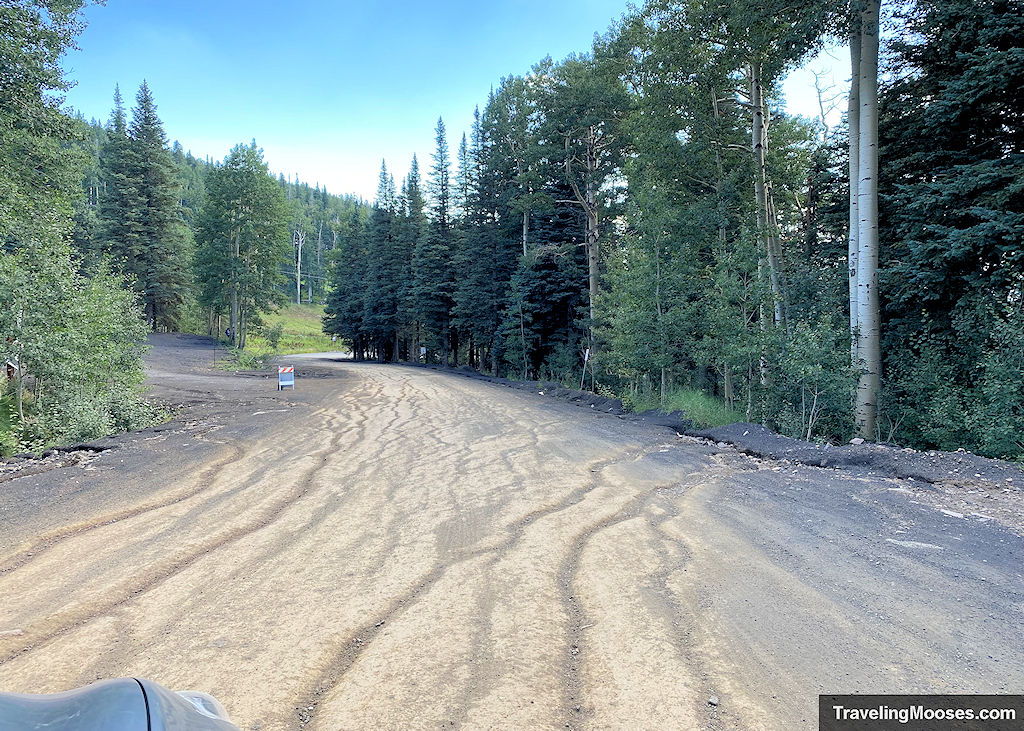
pixel 121 203
pixel 411 227
pixel 383 272
pixel 164 245
pixel 343 313
pixel 952 211
pixel 432 264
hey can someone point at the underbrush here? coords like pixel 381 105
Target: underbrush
pixel 703 409
pixel 250 359
pixel 73 417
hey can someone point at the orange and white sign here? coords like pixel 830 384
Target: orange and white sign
pixel 285 377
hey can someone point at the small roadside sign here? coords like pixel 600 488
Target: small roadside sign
pixel 285 377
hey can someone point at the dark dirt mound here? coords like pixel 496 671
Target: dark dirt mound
pixel 884 459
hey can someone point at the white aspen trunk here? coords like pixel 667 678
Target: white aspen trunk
pixel 319 256
pixel 853 122
pixel 299 237
pixel 868 326
pixel 526 229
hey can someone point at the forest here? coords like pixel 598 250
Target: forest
pixel 647 213
pixel 641 219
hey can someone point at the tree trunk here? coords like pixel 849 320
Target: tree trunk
pixel 868 352
pixel 593 254
pixel 526 229
pixel 853 122
pixel 299 237
pixel 319 256
pixel 236 251
pixel 757 139
pixel 587 199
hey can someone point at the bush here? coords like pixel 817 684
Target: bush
pixel 811 383
pixel 273 335
pixel 8 443
pixel 81 340
pixel 703 409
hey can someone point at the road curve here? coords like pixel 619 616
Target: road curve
pixel 393 547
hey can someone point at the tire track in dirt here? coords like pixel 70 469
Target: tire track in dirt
pixel 353 422
pixel 60 623
pixel 348 651
pixel 575 710
pixel 678 616
pixel 206 480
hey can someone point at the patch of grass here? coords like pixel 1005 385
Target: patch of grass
pixel 703 409
pixel 301 331
pixel 7 411
pixel 253 358
pixel 291 329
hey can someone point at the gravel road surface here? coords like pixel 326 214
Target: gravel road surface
pixel 390 547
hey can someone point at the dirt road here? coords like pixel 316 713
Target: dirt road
pixel 391 547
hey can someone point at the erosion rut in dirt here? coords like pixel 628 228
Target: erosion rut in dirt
pixel 393 547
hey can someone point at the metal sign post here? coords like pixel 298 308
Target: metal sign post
pixel 285 377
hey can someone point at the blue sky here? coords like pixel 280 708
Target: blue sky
pixel 328 89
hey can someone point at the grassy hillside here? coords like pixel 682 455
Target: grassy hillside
pixel 296 329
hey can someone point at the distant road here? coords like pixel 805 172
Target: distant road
pixel 393 547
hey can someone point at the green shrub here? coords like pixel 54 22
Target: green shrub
pixel 273 335
pixel 703 409
pixel 8 443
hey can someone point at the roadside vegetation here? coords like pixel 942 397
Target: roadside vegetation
pixel 700 407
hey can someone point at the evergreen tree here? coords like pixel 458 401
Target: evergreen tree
pixel 952 151
pixel 140 211
pixel 343 313
pixel 121 205
pixel 383 272
pixel 432 264
pixel 164 240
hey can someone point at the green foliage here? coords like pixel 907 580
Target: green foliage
pixel 273 335
pixel 77 341
pixel 952 212
pixel 811 388
pixel 242 238
pixel 640 149
pixel 703 409
pixel 39 171
pixel 432 275
pixel 140 216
